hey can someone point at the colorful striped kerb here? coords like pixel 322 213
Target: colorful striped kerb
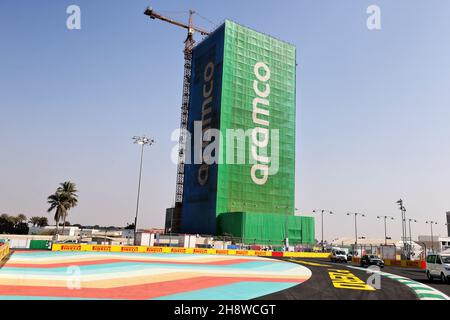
pixel 91 275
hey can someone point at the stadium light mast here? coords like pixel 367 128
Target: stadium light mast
pixel 322 212
pixel 142 141
pixel 385 227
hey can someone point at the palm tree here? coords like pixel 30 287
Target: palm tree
pixel 34 221
pixel 69 190
pixel 21 218
pixel 43 222
pixel 58 202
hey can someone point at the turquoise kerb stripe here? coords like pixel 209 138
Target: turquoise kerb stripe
pixel 235 291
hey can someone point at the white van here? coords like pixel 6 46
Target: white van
pixel 438 266
pixel 338 255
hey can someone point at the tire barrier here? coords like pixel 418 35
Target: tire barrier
pixel 142 249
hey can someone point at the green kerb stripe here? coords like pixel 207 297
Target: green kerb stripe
pixel 431 295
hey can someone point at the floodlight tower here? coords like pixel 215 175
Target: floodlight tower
pixel 142 141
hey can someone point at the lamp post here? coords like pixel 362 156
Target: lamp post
pixel 142 141
pixel 410 236
pixel 356 214
pixel 385 227
pixel 403 211
pixel 322 212
pixel 432 240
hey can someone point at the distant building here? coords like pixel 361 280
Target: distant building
pixel 173 220
pixel 439 243
pixel 68 230
pixel 350 241
pixel 444 243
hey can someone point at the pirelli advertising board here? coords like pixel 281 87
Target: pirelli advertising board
pixel 242 128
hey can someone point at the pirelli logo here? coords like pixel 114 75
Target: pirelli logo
pixel 260 253
pixel 101 248
pixel 155 250
pixel 68 247
pixel 178 250
pixel 130 249
pixel 201 251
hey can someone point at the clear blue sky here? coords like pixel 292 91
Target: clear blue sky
pixel 373 106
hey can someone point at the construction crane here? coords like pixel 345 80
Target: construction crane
pixel 188 46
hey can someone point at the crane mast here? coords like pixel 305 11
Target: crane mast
pixel 188 46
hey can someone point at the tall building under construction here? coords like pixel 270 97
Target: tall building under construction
pixel 239 180
pixel 243 84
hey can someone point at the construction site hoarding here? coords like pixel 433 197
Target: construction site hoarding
pixel 265 228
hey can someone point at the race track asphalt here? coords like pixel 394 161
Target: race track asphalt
pixel 419 276
pixel 320 286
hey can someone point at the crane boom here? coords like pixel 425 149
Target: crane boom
pixel 154 15
pixel 188 46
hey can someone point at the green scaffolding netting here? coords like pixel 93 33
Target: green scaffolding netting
pixel 236 192
pixel 264 228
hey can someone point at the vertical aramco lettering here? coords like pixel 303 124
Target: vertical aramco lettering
pixel 260 134
pixel 206 117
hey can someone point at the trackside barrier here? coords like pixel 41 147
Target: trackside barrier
pixel 141 249
pixel 399 263
pixel 4 250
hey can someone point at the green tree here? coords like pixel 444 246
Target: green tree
pixel 69 191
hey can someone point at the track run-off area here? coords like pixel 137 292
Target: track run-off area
pixel 31 275
pixel 111 275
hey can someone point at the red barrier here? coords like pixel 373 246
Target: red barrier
pixel 277 254
pixel 423 264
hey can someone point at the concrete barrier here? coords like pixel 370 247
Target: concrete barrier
pixel 418 264
pixel 142 249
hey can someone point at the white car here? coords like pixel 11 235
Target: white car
pixel 338 256
pixel 438 266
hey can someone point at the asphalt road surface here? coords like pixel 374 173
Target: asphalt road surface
pixel 331 281
pixel 419 276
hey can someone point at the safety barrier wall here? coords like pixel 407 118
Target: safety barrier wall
pixel 4 250
pixel 400 263
pixel 142 249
